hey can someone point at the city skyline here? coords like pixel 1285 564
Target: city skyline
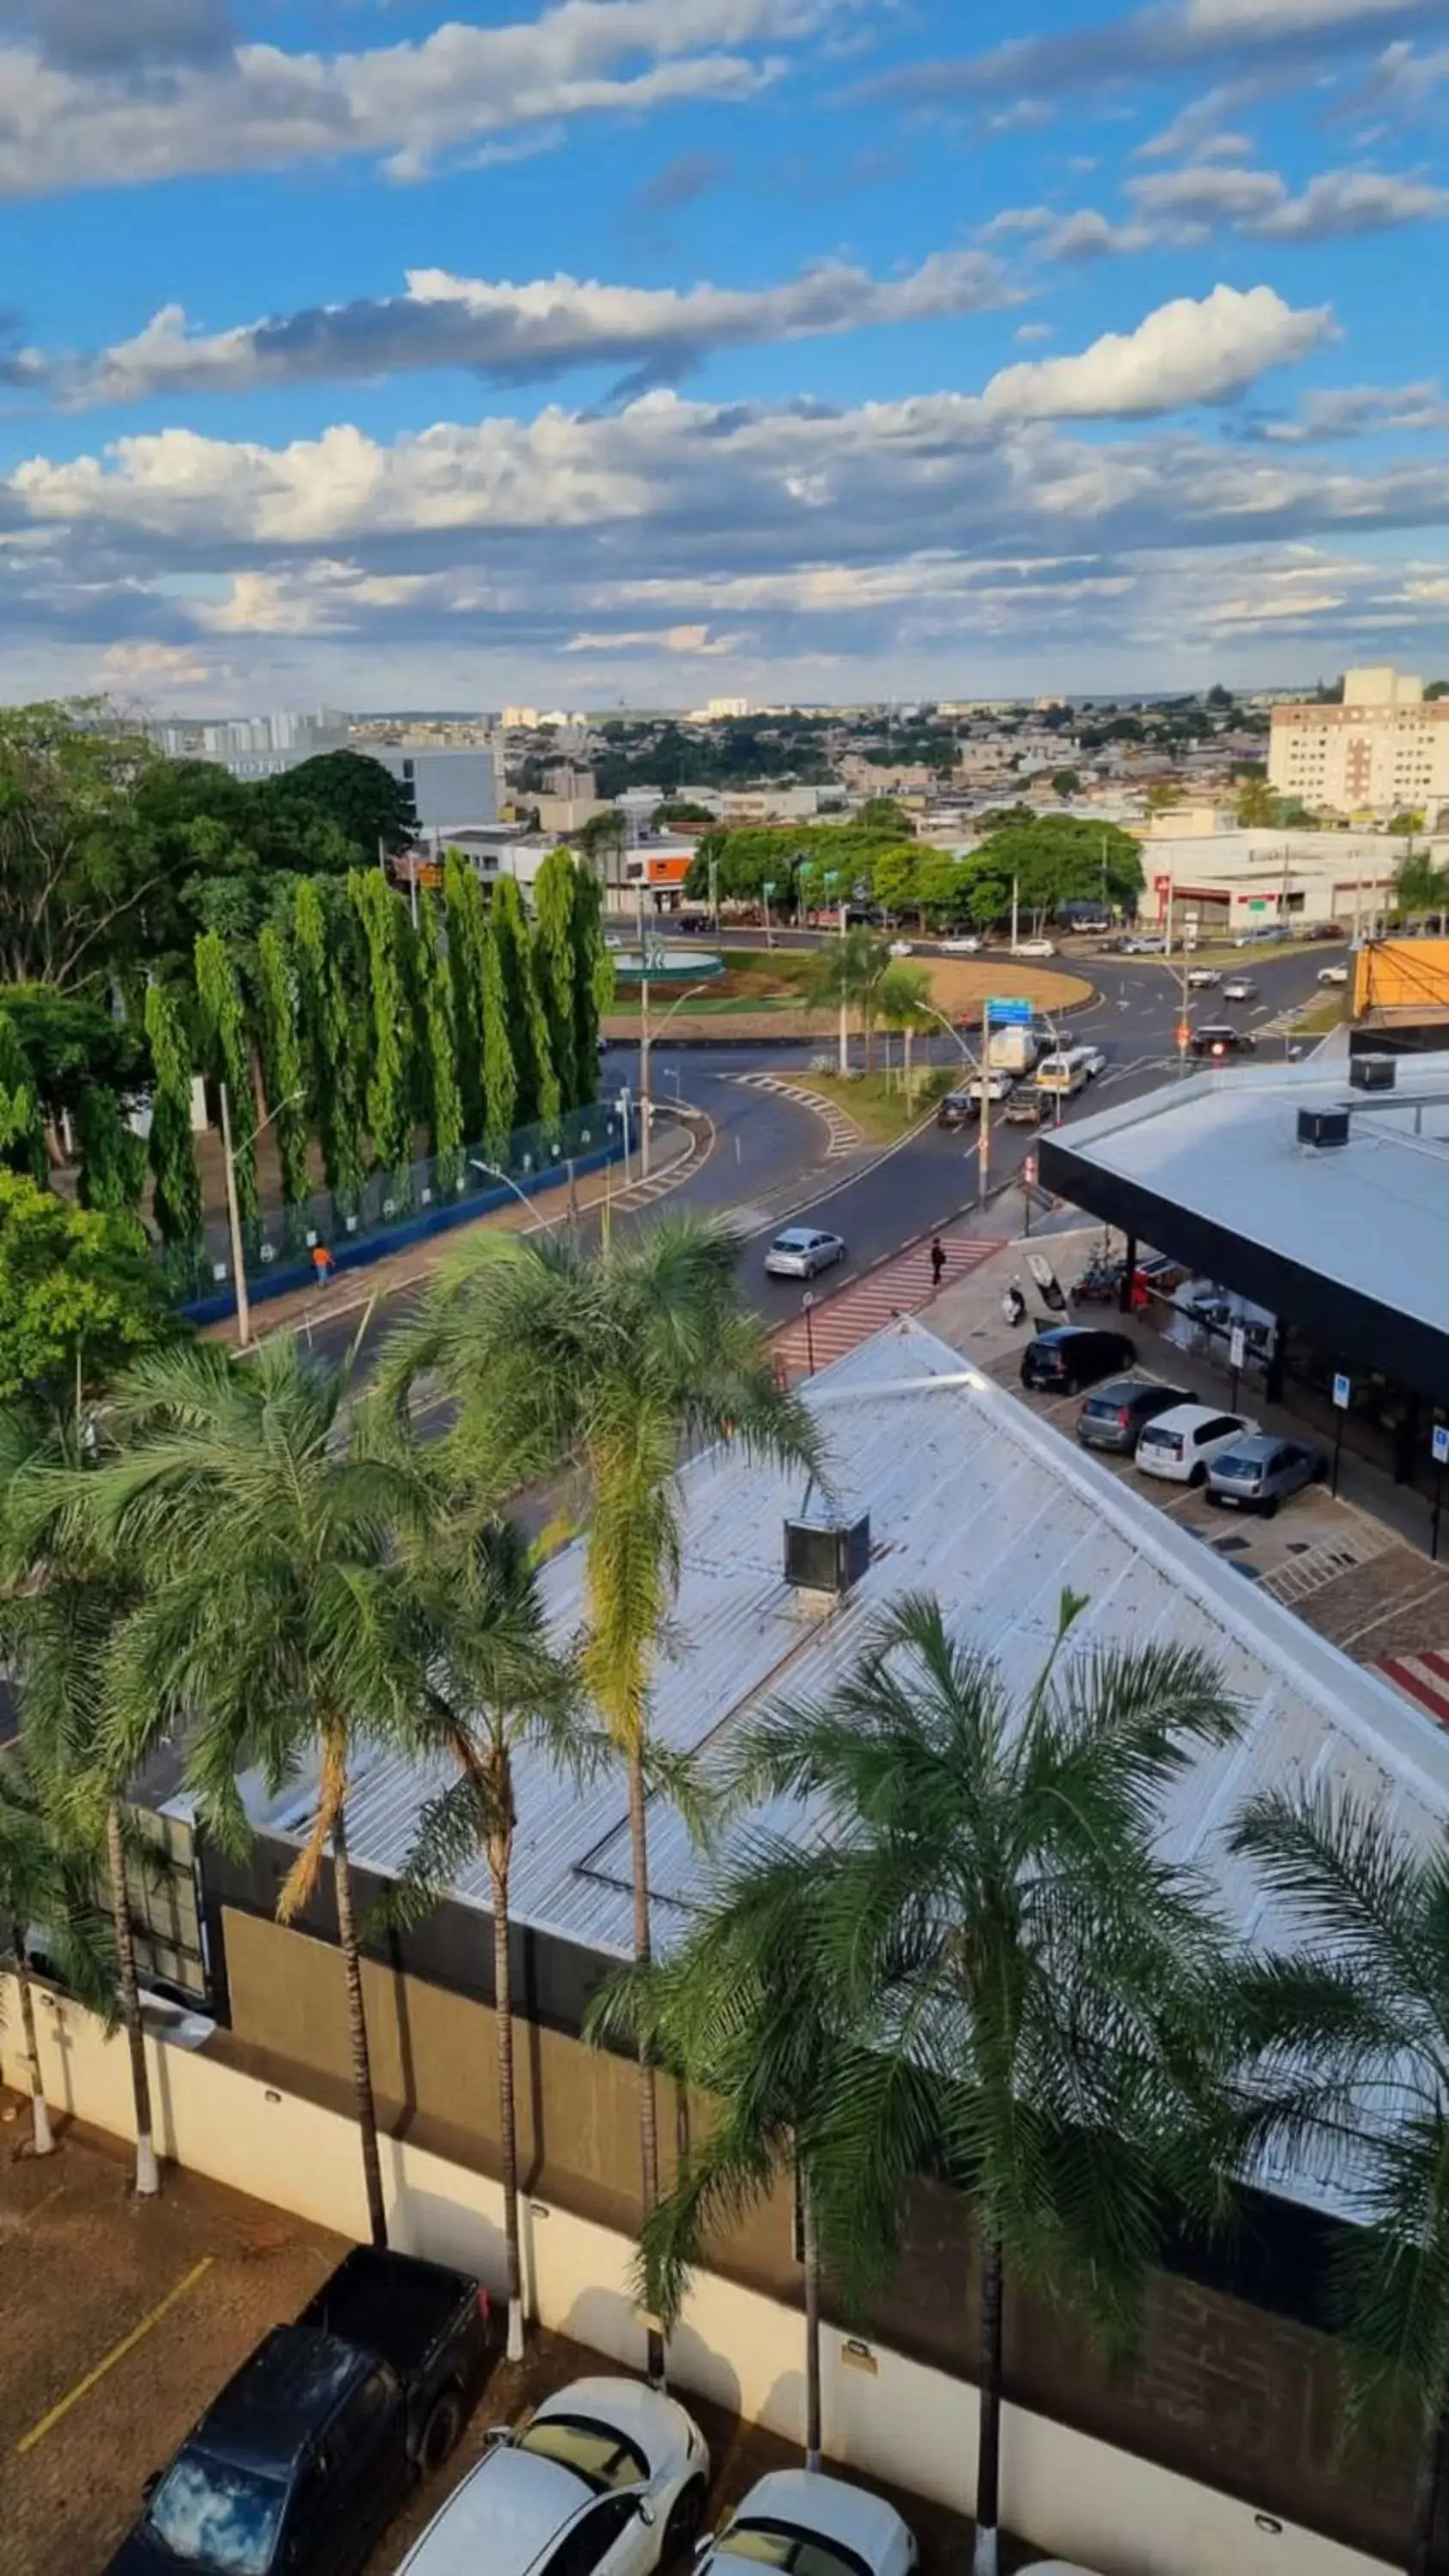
pixel 669 351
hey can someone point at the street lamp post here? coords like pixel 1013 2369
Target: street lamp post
pixel 646 1041
pixel 807 1309
pixel 496 1172
pixel 233 1206
pixel 832 877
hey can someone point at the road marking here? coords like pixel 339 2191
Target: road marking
pixel 118 2352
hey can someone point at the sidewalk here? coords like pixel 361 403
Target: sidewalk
pixel 675 1156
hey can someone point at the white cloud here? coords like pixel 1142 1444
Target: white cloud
pixel 1256 35
pixel 1185 352
pixel 1208 195
pixel 523 333
pixel 1187 204
pixel 176 666
pixel 1032 331
pixel 1342 202
pixel 1088 235
pixel 462 88
pixel 694 643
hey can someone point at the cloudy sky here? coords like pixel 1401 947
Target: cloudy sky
pixel 643 350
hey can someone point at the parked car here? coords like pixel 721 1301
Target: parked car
pixel 1324 930
pixel 1068 1356
pixel 1201 977
pixel 960 947
pixel 1033 948
pixel 1333 974
pixel 901 948
pixel 1181 1445
pixel 1114 1414
pixel 1257 1475
pixel 958 1109
pixel 607 2479
pixel 800 1252
pixel 1143 947
pixel 311 2448
pixel 1222 1040
pixel 797 2518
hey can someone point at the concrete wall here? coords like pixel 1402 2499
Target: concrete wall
pixel 903 2419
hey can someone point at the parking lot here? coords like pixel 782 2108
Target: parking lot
pixel 124 2318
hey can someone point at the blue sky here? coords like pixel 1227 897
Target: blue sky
pixel 653 349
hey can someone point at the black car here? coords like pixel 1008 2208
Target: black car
pixel 1068 1356
pixel 311 2448
pixel 1112 1417
pixel 1219 1042
pixel 958 1109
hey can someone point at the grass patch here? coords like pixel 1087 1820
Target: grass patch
pixel 1320 1017
pixel 878 1107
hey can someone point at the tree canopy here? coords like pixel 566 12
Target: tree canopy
pixel 79 1294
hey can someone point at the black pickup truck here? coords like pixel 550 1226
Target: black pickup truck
pixel 300 2463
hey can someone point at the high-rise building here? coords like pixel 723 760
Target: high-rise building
pixel 1385 750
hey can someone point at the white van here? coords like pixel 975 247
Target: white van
pixel 1066 1074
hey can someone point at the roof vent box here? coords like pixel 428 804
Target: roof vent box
pixel 826 1556
pixel 1373 1073
pixel 1322 1128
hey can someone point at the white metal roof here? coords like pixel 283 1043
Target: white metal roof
pixel 977 1500
pixel 1372 1215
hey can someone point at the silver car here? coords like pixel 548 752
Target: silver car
pixel 800 1252
pixel 1257 1475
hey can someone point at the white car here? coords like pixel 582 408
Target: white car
pixel 800 1252
pixel 1094 1061
pixel 1181 1445
pixel 1240 988
pixel 960 947
pixel 616 2470
pixel 996 1085
pixel 1333 974
pixel 797 2518
pixel 1033 948
pixel 1201 977
pixel 901 948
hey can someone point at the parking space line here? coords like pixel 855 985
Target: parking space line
pixel 118 2352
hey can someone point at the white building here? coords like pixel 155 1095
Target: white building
pixel 1384 751
pixel 719 711
pixel 447 787
pixel 520 719
pixel 1237 880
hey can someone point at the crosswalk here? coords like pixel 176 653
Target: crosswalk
pixel 1423 1678
pixel 901 1286
pixel 842 1134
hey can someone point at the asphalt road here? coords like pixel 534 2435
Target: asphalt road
pixel 766 1165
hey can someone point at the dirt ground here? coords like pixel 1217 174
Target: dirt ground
pixel 959 985
pixel 123 2318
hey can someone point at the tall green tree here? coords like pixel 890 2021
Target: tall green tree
pixel 496 1688
pixel 593 980
pixel 1346 2039
pixel 466 919
pixel 903 1001
pixel 500 1074
pixel 47 1880
pixel 326 1020
pixel 555 965
pixel 22 1119
pixel 615 1364
pixel 79 1293
pixel 282 1071
pixel 384 924
pixel 85 897
pixel 113 1157
pixel 1036 1993
pixel 437 1044
pixel 224 1033
pixel 537 1084
pixel 279 1619
pixel 176 1195
pixel 849 972
pixel 355 794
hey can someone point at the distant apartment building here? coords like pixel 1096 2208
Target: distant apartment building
pixel 253 746
pixel 520 719
pixel 1384 751
pixel 719 711
pixel 447 787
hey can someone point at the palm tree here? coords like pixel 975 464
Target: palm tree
pixel 281 1621
pixel 902 1001
pixel 1034 1990
pixel 1347 2039
pixel 848 972
pixel 494 1690
pixel 617 1364
pixel 742 2012
pixel 46 1880
pixel 65 1596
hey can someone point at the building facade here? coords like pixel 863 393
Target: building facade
pixel 1384 751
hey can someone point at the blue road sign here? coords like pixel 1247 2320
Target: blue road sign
pixel 1441 1444
pixel 1010 1011
pixel 1343 1393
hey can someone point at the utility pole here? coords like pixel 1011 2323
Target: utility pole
pixel 714 893
pixel 1015 904
pixel 233 1221
pixel 844 1013
pixel 983 1141
pixel 643 1043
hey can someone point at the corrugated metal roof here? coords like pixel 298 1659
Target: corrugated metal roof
pixel 977 1500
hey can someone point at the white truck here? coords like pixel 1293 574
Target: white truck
pixel 1013 1049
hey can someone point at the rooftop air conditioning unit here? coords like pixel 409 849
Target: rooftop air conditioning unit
pixel 826 1556
pixel 1321 1128
pixel 1373 1073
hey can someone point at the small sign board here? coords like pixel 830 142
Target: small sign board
pixel 1343 1392
pixel 769 886
pixel 1237 1347
pixel 1441 1444
pixel 1010 1011
pixel 1028 1171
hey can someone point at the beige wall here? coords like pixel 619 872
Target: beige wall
pixel 901 2420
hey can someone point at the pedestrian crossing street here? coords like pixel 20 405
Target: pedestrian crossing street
pixel 901 1286
pixel 1423 1678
